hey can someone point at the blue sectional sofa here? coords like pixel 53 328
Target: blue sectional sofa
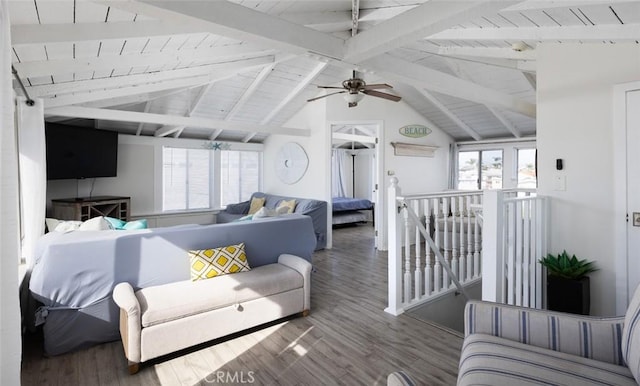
pixel 316 209
pixel 75 273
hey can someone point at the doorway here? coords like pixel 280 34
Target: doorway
pixel 627 188
pixel 357 144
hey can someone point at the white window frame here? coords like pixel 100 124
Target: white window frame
pixel 509 156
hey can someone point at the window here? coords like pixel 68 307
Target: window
pixel 527 174
pixel 186 179
pixel 480 169
pixel 240 175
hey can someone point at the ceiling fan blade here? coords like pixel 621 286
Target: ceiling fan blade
pixel 377 86
pixel 324 96
pixel 339 88
pixel 383 95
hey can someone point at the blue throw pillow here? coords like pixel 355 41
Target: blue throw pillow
pixel 136 224
pixel 116 223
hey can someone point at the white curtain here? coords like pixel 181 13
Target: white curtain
pixel 338 178
pixel 10 345
pixel 33 174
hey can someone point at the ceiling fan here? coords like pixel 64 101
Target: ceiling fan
pixel 355 89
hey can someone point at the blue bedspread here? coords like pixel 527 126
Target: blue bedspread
pixel 341 204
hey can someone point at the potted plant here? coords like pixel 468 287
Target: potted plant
pixel 567 283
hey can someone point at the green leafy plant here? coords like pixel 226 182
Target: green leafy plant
pixel 567 267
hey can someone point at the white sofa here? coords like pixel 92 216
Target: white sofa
pixel 159 320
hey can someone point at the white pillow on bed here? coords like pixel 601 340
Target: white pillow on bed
pixel 96 224
pixel 67 226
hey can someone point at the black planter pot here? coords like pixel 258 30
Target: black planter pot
pixel 568 295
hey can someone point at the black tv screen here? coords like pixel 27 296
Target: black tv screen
pixel 78 152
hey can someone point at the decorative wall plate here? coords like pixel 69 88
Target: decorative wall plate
pixel 291 163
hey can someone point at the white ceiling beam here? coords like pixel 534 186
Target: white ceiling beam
pixel 147 107
pixel 302 84
pixel 166 130
pixel 531 78
pixel 243 23
pixel 113 94
pixel 128 80
pixel 253 87
pixel 198 99
pixel 599 33
pixel 250 91
pixel 520 65
pixel 424 77
pixel 505 122
pixel 431 98
pixel 488 52
pixel 383 13
pixel 134 98
pixel 109 62
pixel 311 19
pixel 215 134
pixel 22 34
pixel 424 20
pixel 315 19
pixel 353 138
pixel 170 120
pixel 355 15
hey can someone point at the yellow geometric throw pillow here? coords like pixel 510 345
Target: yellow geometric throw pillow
pixel 208 263
pixel 256 204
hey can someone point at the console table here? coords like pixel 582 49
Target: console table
pixel 84 208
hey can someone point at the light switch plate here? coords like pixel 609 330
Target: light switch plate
pixel 560 183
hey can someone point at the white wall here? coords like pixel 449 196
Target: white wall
pixel 575 124
pixel 315 183
pixel 139 176
pixel 415 174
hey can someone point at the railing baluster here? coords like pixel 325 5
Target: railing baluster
pixel 454 237
pixel 463 214
pixel 428 280
pixel 407 258
pixel 418 268
pixel 526 257
pixel 447 238
pixel 517 207
pixel 476 244
pixel 510 245
pixel 437 269
pixel 470 217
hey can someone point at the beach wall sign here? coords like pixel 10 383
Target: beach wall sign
pixel 415 131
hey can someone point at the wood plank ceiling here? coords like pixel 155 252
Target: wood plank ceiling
pixel 238 70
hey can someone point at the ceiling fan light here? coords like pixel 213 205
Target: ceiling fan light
pixel 353 98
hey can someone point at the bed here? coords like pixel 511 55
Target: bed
pixel 347 210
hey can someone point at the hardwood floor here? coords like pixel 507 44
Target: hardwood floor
pixel 347 339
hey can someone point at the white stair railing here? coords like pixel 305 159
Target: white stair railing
pixel 514 239
pixel 438 241
pixel 442 225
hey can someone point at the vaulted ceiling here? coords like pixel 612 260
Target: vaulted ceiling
pixel 238 70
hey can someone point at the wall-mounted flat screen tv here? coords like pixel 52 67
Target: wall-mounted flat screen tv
pixel 78 152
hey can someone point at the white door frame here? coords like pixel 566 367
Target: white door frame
pixel 620 192
pixel 379 218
